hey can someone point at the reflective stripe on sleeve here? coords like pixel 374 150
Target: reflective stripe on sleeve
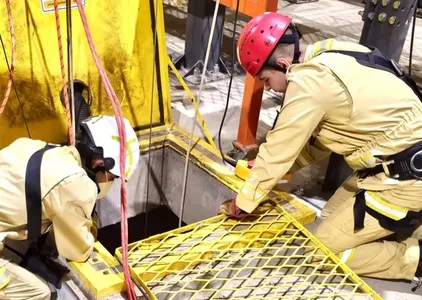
pixel 4 277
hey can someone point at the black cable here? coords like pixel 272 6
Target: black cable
pixel 14 87
pixel 154 16
pixel 230 84
pixel 412 38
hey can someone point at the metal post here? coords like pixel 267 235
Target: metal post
pixel 386 23
pixel 245 144
pixel 198 25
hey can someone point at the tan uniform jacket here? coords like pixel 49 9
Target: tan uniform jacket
pixel 68 197
pixel 362 113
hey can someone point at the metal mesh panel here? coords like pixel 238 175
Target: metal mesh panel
pixel 268 255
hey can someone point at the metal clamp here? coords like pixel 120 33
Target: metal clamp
pixel 396 67
pixel 412 162
pixel 385 167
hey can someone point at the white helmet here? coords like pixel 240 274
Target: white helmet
pixel 103 133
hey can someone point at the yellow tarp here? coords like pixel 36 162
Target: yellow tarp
pixel 123 36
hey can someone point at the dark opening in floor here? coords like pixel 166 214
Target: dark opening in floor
pixel 159 220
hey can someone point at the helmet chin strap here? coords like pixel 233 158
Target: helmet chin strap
pixel 276 67
pixel 288 39
pixel 297 52
pixel 292 39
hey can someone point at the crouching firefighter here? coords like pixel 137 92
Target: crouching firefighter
pixel 348 99
pixel 50 188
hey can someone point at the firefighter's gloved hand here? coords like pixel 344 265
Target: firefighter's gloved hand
pixel 230 209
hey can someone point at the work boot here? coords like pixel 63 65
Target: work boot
pixel 418 275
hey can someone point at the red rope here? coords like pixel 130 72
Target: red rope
pixel 12 66
pixel 63 71
pixel 122 134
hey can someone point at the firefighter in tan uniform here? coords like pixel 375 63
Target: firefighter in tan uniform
pixel 69 183
pixel 333 103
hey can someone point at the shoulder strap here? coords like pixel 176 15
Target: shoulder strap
pixel 33 193
pixel 376 59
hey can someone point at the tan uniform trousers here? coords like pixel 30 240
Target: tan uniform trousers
pixel 24 285
pixel 363 251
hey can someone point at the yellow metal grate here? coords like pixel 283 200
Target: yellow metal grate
pixel 268 255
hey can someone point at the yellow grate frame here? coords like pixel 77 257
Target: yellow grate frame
pixel 267 255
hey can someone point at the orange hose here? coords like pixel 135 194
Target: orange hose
pixel 12 65
pixel 63 72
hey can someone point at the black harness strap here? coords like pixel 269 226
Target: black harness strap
pixel 276 118
pixel 405 165
pixel 376 59
pixel 359 210
pixel 33 193
pixel 405 226
pixel 33 260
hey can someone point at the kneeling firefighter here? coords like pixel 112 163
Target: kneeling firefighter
pixel 352 100
pixel 47 188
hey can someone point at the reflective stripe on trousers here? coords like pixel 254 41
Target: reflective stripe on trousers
pixel 390 216
pixel 346 255
pixel 4 277
pixel 385 208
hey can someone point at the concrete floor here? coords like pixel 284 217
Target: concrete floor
pixel 317 21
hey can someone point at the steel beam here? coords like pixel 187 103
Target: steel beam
pixel 386 24
pixel 198 28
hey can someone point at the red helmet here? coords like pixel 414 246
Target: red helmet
pixel 259 38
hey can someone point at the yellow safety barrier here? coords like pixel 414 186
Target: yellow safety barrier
pixel 267 255
pixel 194 104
